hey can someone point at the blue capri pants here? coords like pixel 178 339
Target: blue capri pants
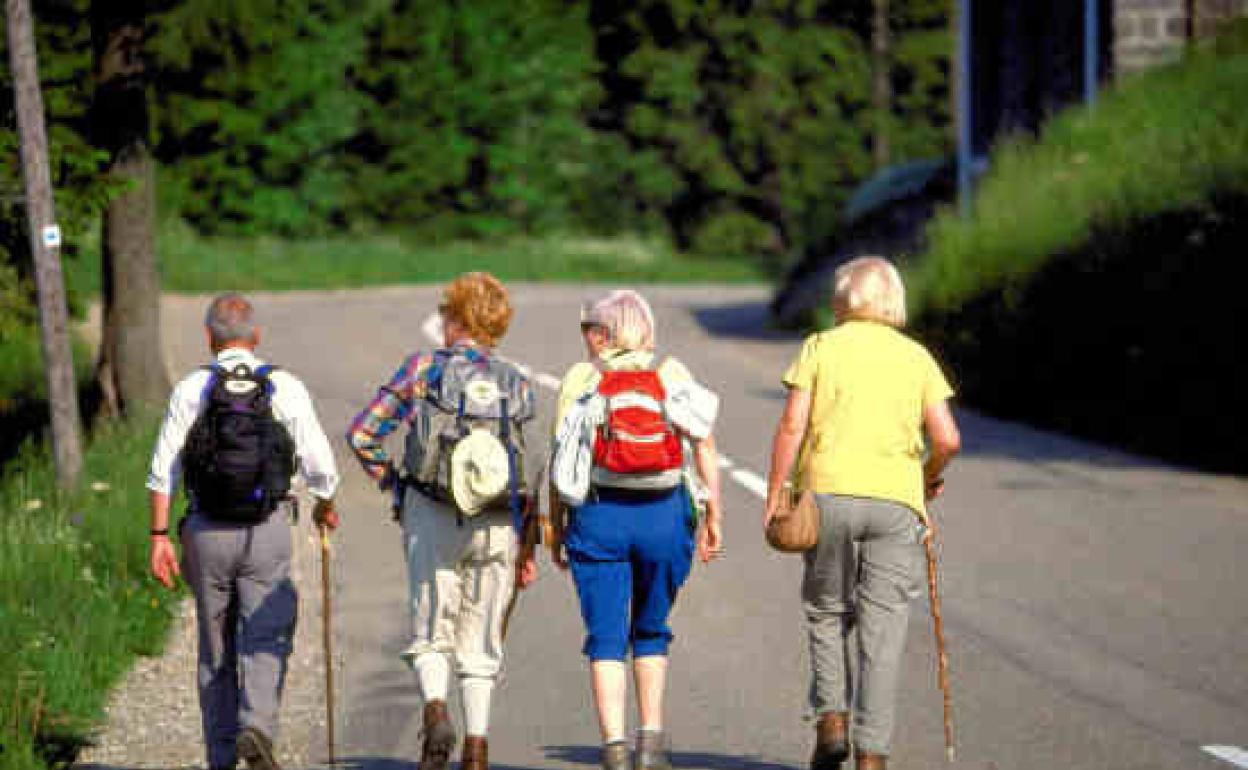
pixel 630 552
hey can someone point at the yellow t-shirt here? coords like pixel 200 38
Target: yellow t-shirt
pixel 582 374
pixel 869 385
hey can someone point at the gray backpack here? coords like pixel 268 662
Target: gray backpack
pixel 468 391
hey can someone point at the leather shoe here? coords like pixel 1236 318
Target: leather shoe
pixel 831 741
pixel 475 754
pixel 435 752
pixel 615 756
pixel 651 751
pixel 255 748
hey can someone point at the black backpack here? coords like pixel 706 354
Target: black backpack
pixel 238 457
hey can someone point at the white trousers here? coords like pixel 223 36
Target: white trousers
pixel 460 578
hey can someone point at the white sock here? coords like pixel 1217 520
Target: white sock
pixel 476 692
pixel 433 672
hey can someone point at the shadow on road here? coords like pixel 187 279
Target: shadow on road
pixel 690 760
pixel 579 755
pixel 989 436
pixel 744 320
pixel 391 763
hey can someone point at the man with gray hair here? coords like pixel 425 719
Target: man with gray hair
pixel 236 431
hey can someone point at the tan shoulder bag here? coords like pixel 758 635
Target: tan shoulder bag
pixel 795 527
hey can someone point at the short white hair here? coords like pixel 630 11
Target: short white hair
pixel 230 318
pixel 869 289
pixel 628 318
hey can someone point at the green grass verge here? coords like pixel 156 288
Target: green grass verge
pixel 1161 141
pixel 195 263
pixel 76 605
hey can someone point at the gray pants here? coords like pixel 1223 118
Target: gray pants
pixel 860 580
pixel 245 605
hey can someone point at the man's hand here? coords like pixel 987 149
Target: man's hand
pixel 325 515
pixel 163 561
pixel 933 487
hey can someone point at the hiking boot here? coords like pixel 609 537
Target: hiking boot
pixel 615 756
pixel 255 748
pixel 475 754
pixel 651 751
pixel 869 761
pixel 831 741
pixel 435 752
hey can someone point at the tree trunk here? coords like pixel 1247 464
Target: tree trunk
pixel 58 360
pixel 131 368
pixel 881 81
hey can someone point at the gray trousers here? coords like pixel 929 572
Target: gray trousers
pixel 245 605
pixel 859 581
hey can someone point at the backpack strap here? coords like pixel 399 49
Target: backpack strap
pixel 215 372
pixel 513 481
pixel 262 373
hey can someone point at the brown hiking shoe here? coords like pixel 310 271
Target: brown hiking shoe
pixel 651 751
pixel 435 752
pixel 255 748
pixel 831 741
pixel 615 756
pixel 869 761
pixel 475 754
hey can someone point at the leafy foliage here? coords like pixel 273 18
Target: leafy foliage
pixel 477 110
pixel 469 119
pixel 733 127
pixel 1162 141
pixel 252 108
pixel 63 45
pixel 1095 289
pixel 64 48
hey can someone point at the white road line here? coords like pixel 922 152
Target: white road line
pixel 432 327
pixel 751 481
pixel 547 381
pixel 1233 754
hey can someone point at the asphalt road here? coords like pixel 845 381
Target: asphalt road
pixel 1096 603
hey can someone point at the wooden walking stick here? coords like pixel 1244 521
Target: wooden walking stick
pixel 942 660
pixel 530 535
pixel 327 639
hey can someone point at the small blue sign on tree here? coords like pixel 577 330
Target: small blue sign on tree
pixel 52 237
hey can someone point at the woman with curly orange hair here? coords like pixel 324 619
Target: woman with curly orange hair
pixel 460 538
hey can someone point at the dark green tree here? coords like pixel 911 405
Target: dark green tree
pixel 477 110
pixel 745 115
pixel 753 120
pixel 253 108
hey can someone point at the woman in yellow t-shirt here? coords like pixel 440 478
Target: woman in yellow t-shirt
pixel 861 397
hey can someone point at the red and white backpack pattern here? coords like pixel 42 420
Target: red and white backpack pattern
pixel 636 446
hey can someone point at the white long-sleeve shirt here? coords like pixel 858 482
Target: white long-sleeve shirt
pixel 292 406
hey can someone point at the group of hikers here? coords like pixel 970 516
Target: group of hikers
pixel 633 495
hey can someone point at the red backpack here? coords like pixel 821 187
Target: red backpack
pixel 636 446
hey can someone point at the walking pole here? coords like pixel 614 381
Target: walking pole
pixel 530 536
pixel 942 660
pixel 328 643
